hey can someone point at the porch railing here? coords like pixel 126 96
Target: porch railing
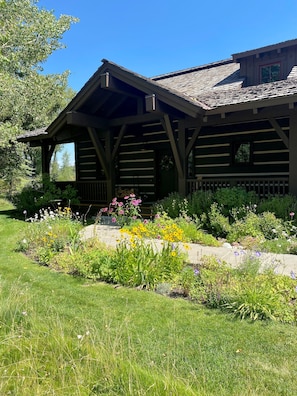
pixel 263 187
pixel 88 191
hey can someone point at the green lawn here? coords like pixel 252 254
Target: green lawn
pixel 62 335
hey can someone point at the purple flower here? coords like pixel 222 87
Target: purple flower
pixel 293 275
pixel 236 254
pixel 258 254
pixel 196 271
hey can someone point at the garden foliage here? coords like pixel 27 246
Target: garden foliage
pixel 247 292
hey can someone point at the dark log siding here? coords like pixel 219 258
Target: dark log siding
pixel 136 161
pixel 87 164
pixel 137 168
pixel 213 151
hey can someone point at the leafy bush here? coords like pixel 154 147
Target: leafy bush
pixel 49 233
pixel 38 195
pixel 199 202
pixel 217 223
pixel 281 206
pixel 208 283
pixel 174 205
pixel 93 261
pixel 235 197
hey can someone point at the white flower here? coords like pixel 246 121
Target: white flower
pixel 79 336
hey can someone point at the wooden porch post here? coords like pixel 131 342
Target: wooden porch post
pixel 292 154
pixel 182 178
pixel 46 155
pixel 109 161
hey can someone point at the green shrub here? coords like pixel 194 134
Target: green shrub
pixel 235 197
pixel 208 283
pixel 49 233
pixel 217 223
pixel 39 195
pixel 199 202
pixel 281 206
pixel 174 205
pixel 271 226
pixel 249 226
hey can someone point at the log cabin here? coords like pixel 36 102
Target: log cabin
pixel 227 123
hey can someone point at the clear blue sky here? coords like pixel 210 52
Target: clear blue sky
pixel 159 36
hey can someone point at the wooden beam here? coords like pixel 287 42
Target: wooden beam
pixel 182 179
pixel 193 139
pixel 118 141
pixel 136 119
pixel 279 131
pixel 150 103
pixel 85 120
pixel 292 154
pixel 99 151
pixel 168 128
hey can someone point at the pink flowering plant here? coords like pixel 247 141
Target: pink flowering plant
pixel 124 211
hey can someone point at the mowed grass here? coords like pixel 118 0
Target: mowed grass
pixel 61 335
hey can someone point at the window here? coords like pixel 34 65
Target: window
pixel 270 73
pixel 242 153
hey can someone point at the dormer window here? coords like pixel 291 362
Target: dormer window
pixel 270 73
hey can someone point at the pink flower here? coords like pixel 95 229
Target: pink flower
pixel 113 220
pixel 126 197
pixel 145 221
pixel 132 196
pixel 121 212
pixel 104 210
pixel 292 214
pixel 120 203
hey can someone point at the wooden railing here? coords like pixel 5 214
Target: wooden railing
pixel 93 191
pixel 263 187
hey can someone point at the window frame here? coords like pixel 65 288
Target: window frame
pixel 235 147
pixel 269 65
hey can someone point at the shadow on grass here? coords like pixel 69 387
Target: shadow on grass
pixel 12 214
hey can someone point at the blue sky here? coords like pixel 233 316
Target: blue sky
pixel 160 36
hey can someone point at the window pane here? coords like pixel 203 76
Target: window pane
pixel 242 153
pixel 270 73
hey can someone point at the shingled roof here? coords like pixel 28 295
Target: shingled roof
pixel 219 84
pixel 211 87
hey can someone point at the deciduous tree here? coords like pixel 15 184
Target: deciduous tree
pixel 28 99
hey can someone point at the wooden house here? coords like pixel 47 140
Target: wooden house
pixel 227 123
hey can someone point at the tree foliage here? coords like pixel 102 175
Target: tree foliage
pixel 28 99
